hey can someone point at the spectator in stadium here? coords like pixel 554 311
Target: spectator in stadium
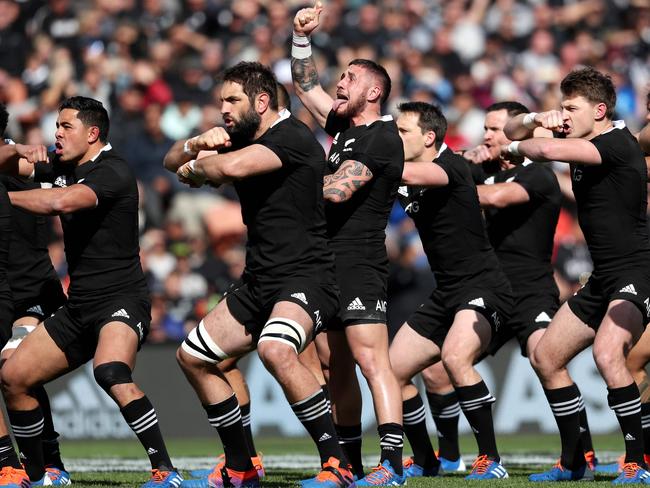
pixel 610 184
pixel 287 291
pixel 364 169
pixel 107 316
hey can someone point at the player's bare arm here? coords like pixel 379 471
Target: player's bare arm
pixel 525 126
pixel 424 174
pixel 542 149
pixel 186 150
pixel 18 159
pixel 303 68
pixel 237 165
pixel 340 186
pixel 501 195
pixel 55 201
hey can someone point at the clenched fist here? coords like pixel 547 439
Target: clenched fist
pixel 215 138
pixel 307 19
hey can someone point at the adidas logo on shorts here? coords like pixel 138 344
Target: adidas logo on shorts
pixel 35 309
pixel 356 304
pixel 300 296
pixel 543 317
pixel 121 313
pixel 628 289
pixel 324 437
pixel 477 302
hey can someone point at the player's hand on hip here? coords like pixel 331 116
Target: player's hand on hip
pixel 551 120
pixel 188 177
pixel 478 155
pixel 32 153
pixel 307 19
pixel 215 138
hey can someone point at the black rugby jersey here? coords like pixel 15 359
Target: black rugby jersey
pixel 101 243
pixel 612 198
pixel 522 235
pixel 378 147
pixel 29 263
pixel 283 210
pixel 5 239
pixel 451 228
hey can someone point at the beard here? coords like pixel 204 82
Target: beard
pixel 243 131
pixel 353 108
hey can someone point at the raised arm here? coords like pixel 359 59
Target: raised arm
pixel 186 150
pixel 525 126
pixel 543 149
pixel 19 159
pixel 501 195
pixel 236 165
pixel 424 174
pixel 303 68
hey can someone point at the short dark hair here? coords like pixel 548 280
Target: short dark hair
pixel 591 84
pixel 255 78
pixel 430 118
pixel 380 72
pixel 513 108
pixel 284 99
pixel 91 112
pixel 4 119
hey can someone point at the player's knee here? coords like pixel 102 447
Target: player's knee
pixel 455 361
pixel 12 378
pixel 110 374
pixel 371 362
pixel 276 355
pixel 606 356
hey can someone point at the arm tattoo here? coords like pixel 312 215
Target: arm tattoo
pixel 340 186
pixel 304 73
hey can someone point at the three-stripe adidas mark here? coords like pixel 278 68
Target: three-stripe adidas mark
pixel 628 289
pixel 356 304
pixel 121 313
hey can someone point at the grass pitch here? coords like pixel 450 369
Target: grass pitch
pixel 123 464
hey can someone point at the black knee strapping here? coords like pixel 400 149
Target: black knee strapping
pixel 113 373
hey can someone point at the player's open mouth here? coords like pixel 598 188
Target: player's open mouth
pixel 58 148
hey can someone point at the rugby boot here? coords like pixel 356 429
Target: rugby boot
pixel 560 473
pixel 383 475
pixel 163 479
pixel 485 468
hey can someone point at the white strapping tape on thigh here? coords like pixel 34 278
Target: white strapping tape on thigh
pixel 199 344
pixel 287 331
pixel 18 333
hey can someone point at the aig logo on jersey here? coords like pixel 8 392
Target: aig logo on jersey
pixel 413 207
pixel 577 174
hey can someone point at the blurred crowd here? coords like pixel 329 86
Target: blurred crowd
pixel 153 63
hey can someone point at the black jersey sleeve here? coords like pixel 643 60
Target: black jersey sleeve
pixel 537 181
pixel 335 124
pixel 377 151
pixel 612 148
pixel 107 181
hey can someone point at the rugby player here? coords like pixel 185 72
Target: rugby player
pixel 364 168
pixel 611 310
pixel 472 299
pixel 288 289
pixel 107 315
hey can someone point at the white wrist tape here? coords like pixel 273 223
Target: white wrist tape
pixel 300 46
pixel 529 121
pixel 513 148
pixel 186 147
